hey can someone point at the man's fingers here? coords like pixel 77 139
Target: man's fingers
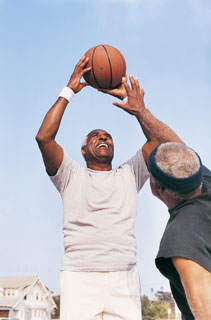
pixel 126 85
pixel 104 90
pixel 134 83
pixel 137 85
pixel 84 84
pixel 86 70
pixel 84 61
pixel 119 104
pixel 81 63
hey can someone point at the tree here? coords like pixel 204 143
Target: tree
pixel 153 309
pixel 166 296
pixel 56 312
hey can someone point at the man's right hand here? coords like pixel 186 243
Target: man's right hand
pixel 75 80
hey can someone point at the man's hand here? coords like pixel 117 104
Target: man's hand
pixel 118 92
pixel 135 103
pixel 75 80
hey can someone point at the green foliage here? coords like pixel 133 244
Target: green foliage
pixel 152 310
pixel 56 312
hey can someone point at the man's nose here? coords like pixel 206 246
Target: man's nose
pixel 104 138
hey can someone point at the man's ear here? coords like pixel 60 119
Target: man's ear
pixel 160 189
pixel 83 151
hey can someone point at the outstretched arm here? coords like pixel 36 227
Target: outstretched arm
pixel 155 130
pixel 52 152
pixel 196 282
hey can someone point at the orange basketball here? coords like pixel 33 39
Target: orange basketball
pixel 108 67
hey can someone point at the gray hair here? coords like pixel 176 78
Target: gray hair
pixel 178 161
pixel 84 142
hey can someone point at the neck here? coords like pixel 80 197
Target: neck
pixel 100 166
pixel 173 203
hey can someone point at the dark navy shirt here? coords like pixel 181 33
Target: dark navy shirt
pixel 187 235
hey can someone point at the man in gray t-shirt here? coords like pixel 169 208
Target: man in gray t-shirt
pixel 99 278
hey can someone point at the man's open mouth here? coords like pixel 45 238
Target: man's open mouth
pixel 102 145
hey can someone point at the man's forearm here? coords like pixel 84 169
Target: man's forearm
pixel 51 122
pixel 155 129
pixel 196 281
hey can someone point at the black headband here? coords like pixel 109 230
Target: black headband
pixel 180 185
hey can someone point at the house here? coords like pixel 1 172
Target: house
pixel 25 298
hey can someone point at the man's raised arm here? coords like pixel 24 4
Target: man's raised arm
pixel 52 152
pixel 155 130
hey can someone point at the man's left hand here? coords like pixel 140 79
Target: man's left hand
pixel 118 92
pixel 135 102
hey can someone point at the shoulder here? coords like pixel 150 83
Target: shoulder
pixel 136 161
pixel 67 163
pixel 136 167
pixel 65 173
pixel 207 179
pixel 188 235
pixel 206 172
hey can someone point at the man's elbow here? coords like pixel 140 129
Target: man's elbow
pixel 39 138
pixel 42 139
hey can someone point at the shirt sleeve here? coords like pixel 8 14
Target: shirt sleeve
pixel 139 168
pixel 62 177
pixel 188 236
pixel 206 172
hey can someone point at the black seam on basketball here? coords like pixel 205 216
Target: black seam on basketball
pixel 109 65
pixel 93 67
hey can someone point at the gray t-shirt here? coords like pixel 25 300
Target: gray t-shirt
pixel 99 211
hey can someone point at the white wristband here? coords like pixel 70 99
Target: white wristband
pixel 67 93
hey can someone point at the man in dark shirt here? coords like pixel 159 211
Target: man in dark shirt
pixel 178 178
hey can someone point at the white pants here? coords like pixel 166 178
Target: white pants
pixel 100 295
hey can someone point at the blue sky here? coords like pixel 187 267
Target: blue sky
pixel 166 44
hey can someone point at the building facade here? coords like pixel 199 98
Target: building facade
pixel 25 298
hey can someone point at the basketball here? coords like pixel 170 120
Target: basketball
pixel 108 67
